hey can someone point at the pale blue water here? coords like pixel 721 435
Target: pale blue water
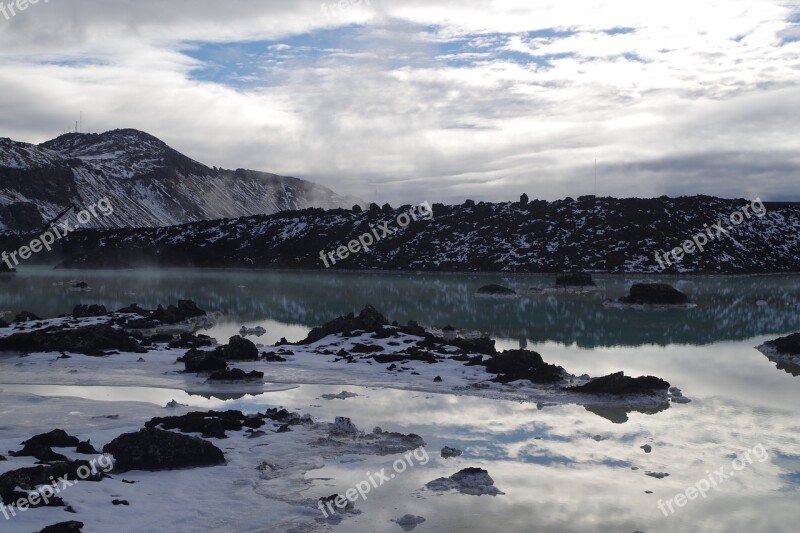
pixel 556 475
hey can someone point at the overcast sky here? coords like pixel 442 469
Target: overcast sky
pixel 411 100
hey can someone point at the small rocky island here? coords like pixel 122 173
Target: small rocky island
pixel 654 295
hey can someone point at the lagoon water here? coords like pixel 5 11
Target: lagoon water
pixel 562 468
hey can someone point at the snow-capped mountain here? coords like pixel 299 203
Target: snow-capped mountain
pixel 147 183
pixel 587 234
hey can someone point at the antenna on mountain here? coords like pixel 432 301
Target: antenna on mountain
pixel 595 176
pixel 81 119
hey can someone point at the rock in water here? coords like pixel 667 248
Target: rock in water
pixel 513 365
pixel 619 383
pixel 369 320
pixel 496 290
pixel 72 526
pixel 448 452
pixel 654 294
pixel 240 349
pixel 789 345
pixel 155 449
pixel 343 425
pixel 409 521
pixel 473 481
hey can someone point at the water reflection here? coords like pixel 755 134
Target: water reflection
pixel 728 307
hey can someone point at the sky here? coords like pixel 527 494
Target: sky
pixel 429 100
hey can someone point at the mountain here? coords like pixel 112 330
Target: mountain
pixel 148 183
pixel 587 234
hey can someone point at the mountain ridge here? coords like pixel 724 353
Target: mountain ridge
pixel 149 183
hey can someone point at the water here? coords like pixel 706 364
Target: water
pixel 563 468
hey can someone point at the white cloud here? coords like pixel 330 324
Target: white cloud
pixel 693 96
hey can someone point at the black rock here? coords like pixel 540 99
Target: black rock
pixel 241 349
pixel 210 423
pixel 171 315
pixel 654 294
pixel 96 340
pixel 513 365
pixel 86 448
pixel 198 361
pixel 619 383
pixel 84 311
pixel 134 309
pixel 368 320
pixel 497 290
pixel 364 348
pixel 26 316
pixel 188 340
pixel 72 526
pixel 41 452
pixel 120 502
pixel 155 449
pixel 58 438
pixel 273 358
pixel 235 374
pixel 789 345
pixel 483 345
pixel 30 478
pixel 437 379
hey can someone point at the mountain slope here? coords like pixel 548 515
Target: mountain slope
pixel 590 234
pixel 147 182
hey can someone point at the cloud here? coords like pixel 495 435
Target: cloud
pixel 429 100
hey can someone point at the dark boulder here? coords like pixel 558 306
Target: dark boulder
pixel 189 340
pixel 30 478
pixel 73 526
pixel 134 309
pixel 85 311
pixel 210 424
pixel 26 316
pixel 368 320
pixel 619 383
pixel 654 294
pixel 199 361
pixel 155 449
pixel 789 345
pixel 235 374
pixel 483 345
pixel 86 448
pixel 513 365
pixel 42 453
pixel 496 290
pixel 240 349
pixel 185 310
pixel 58 438
pixel 95 340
